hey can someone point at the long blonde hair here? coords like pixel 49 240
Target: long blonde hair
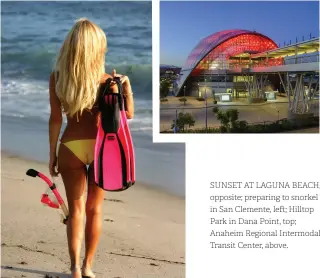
pixel 80 66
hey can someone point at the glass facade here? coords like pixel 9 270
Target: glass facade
pixel 227 50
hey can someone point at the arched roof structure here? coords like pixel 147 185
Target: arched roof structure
pixel 214 51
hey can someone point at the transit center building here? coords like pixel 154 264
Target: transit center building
pixel 221 66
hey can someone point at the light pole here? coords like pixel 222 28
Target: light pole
pixel 199 93
pixel 175 123
pixel 205 94
pixel 184 97
pixel 280 88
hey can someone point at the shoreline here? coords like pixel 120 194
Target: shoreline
pixel 147 186
pixel 153 161
pixel 143 229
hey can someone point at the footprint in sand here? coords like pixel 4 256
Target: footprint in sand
pixel 113 200
pixel 154 264
pixel 108 220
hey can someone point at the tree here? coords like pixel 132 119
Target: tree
pixel 165 85
pixel 184 119
pixel 233 116
pixel 229 120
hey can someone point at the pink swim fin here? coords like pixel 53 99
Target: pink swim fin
pixel 114 162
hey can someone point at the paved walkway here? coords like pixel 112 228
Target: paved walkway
pixel 252 113
pixel 174 103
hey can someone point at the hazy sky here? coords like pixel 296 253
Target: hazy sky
pixel 184 24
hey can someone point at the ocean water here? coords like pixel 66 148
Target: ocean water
pixel 31 36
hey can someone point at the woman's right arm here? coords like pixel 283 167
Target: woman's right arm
pixel 55 122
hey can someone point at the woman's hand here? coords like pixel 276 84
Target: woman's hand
pixel 127 93
pixel 123 78
pixel 53 165
pixel 124 81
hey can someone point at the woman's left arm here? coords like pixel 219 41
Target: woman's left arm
pixel 127 92
pixel 55 122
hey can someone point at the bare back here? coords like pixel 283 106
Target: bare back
pixel 84 126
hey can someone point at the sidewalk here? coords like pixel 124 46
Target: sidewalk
pixel 193 103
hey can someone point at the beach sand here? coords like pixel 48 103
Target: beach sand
pixel 143 233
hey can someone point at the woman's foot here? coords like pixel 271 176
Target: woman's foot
pixel 87 272
pixel 76 272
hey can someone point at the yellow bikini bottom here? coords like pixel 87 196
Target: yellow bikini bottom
pixel 82 149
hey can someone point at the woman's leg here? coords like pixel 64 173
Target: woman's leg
pixel 94 220
pixel 74 176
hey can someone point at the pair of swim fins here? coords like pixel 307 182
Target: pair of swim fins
pixel 114 163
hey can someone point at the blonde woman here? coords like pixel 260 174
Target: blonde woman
pixel 74 89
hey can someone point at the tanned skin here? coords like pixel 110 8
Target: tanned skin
pixel 75 174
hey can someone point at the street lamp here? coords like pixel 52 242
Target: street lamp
pixel 205 95
pixel 184 97
pixel 205 86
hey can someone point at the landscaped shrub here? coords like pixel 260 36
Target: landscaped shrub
pixel 215 110
pixel 228 119
pixel 255 128
pixel 273 128
pixel 239 127
pixel 223 129
pixel 183 120
pixel 286 125
pixel 200 99
pixel 183 99
pixel 230 124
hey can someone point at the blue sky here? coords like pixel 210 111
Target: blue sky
pixel 184 24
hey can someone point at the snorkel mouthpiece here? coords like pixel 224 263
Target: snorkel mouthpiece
pixel 56 201
pixel 32 173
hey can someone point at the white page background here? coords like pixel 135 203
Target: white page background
pixel 275 157
pixel 239 157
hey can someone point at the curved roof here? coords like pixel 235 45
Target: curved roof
pixel 209 43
